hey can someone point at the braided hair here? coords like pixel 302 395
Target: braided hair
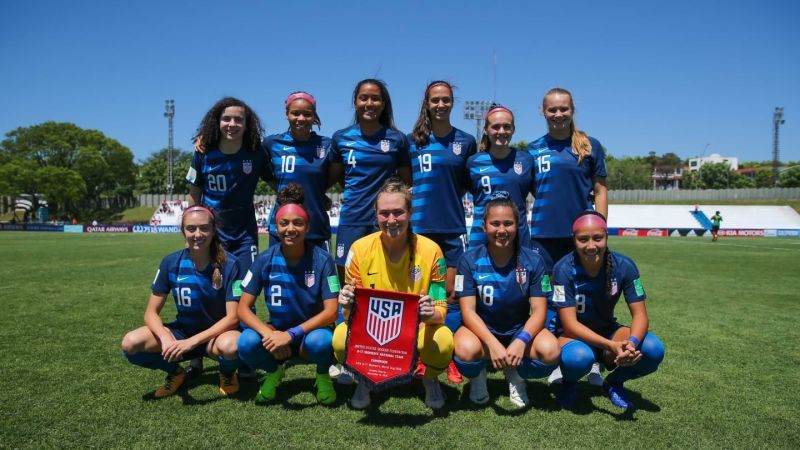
pixel 503 198
pixel 607 260
pixel 394 185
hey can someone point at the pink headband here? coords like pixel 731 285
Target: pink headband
pixel 588 220
pixel 197 208
pixel 441 83
pixel 292 208
pixel 300 95
pixel 499 109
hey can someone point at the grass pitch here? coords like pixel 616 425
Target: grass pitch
pixel 726 313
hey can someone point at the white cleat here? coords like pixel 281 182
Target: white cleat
pixel 334 371
pixel 517 391
pixel 361 397
pixel 555 376
pixel 478 392
pixel 345 377
pixel 594 377
pixel 434 397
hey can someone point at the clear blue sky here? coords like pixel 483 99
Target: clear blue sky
pixel 646 76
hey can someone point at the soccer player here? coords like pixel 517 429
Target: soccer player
pixel 225 171
pixel 397 259
pixel 503 289
pixel 499 167
pixel 570 176
pixel 204 281
pixel 715 221
pixel 366 154
pixel 439 154
pixel 300 286
pixel 588 282
pixel 301 156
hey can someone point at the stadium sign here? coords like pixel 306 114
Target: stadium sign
pixel 653 232
pixel 263 230
pixel 741 233
pixel 107 228
pixel 382 337
pixel 156 229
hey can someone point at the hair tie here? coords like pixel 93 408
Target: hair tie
pixel 197 208
pixel 500 195
pixel 301 95
pixel 291 208
pixel 587 220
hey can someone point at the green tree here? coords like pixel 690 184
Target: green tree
pixel 716 176
pixel 153 172
pixel 790 178
pixel 520 145
pixel 763 178
pixel 628 173
pixel 670 160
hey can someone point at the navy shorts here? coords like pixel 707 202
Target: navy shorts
pixel 452 246
pixel 345 236
pixel 180 334
pixel 552 249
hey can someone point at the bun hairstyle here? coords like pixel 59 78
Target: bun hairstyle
pixel 386 118
pixel 607 260
pixel 422 129
pixel 208 132
pixel 580 140
pixel 217 254
pixel 394 185
pixel 486 144
pixel 291 193
pixel 302 95
pixel 503 198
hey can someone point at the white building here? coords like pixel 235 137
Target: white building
pixel 696 163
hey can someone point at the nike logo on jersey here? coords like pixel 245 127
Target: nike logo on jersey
pixel 483 277
pixel 484 169
pixel 369 274
pixel 349 144
pixel 287 148
pixel 183 278
pixel 272 277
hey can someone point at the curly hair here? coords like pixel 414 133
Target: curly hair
pixel 422 129
pixel 386 118
pixel 208 133
pixel 580 140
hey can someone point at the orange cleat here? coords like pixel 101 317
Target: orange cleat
pixel 453 375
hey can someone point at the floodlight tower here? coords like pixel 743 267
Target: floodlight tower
pixel 476 110
pixel 169 113
pixel 777 121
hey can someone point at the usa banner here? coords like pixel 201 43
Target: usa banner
pixel 382 337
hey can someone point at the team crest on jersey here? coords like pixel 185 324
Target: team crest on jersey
pixel 456 148
pixel 384 319
pixel 340 250
pixel 247 166
pixel 386 145
pixel 416 273
pixel 321 151
pixel 310 278
pixel 614 288
pixel 522 275
pixel 518 168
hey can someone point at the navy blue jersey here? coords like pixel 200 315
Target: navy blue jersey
pixel 199 305
pixel 305 163
pixel 368 162
pixel 513 174
pixel 440 180
pixel 572 286
pixel 228 183
pixel 502 293
pixel 292 294
pixel 563 189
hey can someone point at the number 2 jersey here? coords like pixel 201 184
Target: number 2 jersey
pixel 292 294
pixel 440 180
pixel 563 189
pixel 228 183
pixel 199 304
pixel 502 294
pixel 572 286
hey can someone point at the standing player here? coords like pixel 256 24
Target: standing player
pixel 570 178
pixel 300 284
pixel 587 285
pixel 397 259
pixel 715 221
pixel 204 281
pixel 439 154
pixel 301 156
pixel 503 291
pixel 499 167
pixel 366 154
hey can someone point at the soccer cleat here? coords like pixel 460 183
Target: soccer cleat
pixel 345 376
pixel 270 386
pixel 195 368
pixel 568 394
pixel 419 372
pixel 247 373
pixel 228 383
pixel 555 376
pixel 618 396
pixel 360 398
pixel 326 394
pixel 517 391
pixel 594 377
pixel 453 375
pixel 434 397
pixel 334 371
pixel 478 392
pixel 172 383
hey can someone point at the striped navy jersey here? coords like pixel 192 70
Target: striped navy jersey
pixel 440 180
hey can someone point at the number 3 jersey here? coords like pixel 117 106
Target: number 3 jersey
pixel 502 294
pixel 572 286
pixel 199 304
pixel 292 294
pixel 228 183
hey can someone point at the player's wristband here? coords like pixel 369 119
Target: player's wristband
pixel 296 333
pixel 635 341
pixel 524 336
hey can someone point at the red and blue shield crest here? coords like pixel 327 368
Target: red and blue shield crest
pixel 247 166
pixel 384 319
